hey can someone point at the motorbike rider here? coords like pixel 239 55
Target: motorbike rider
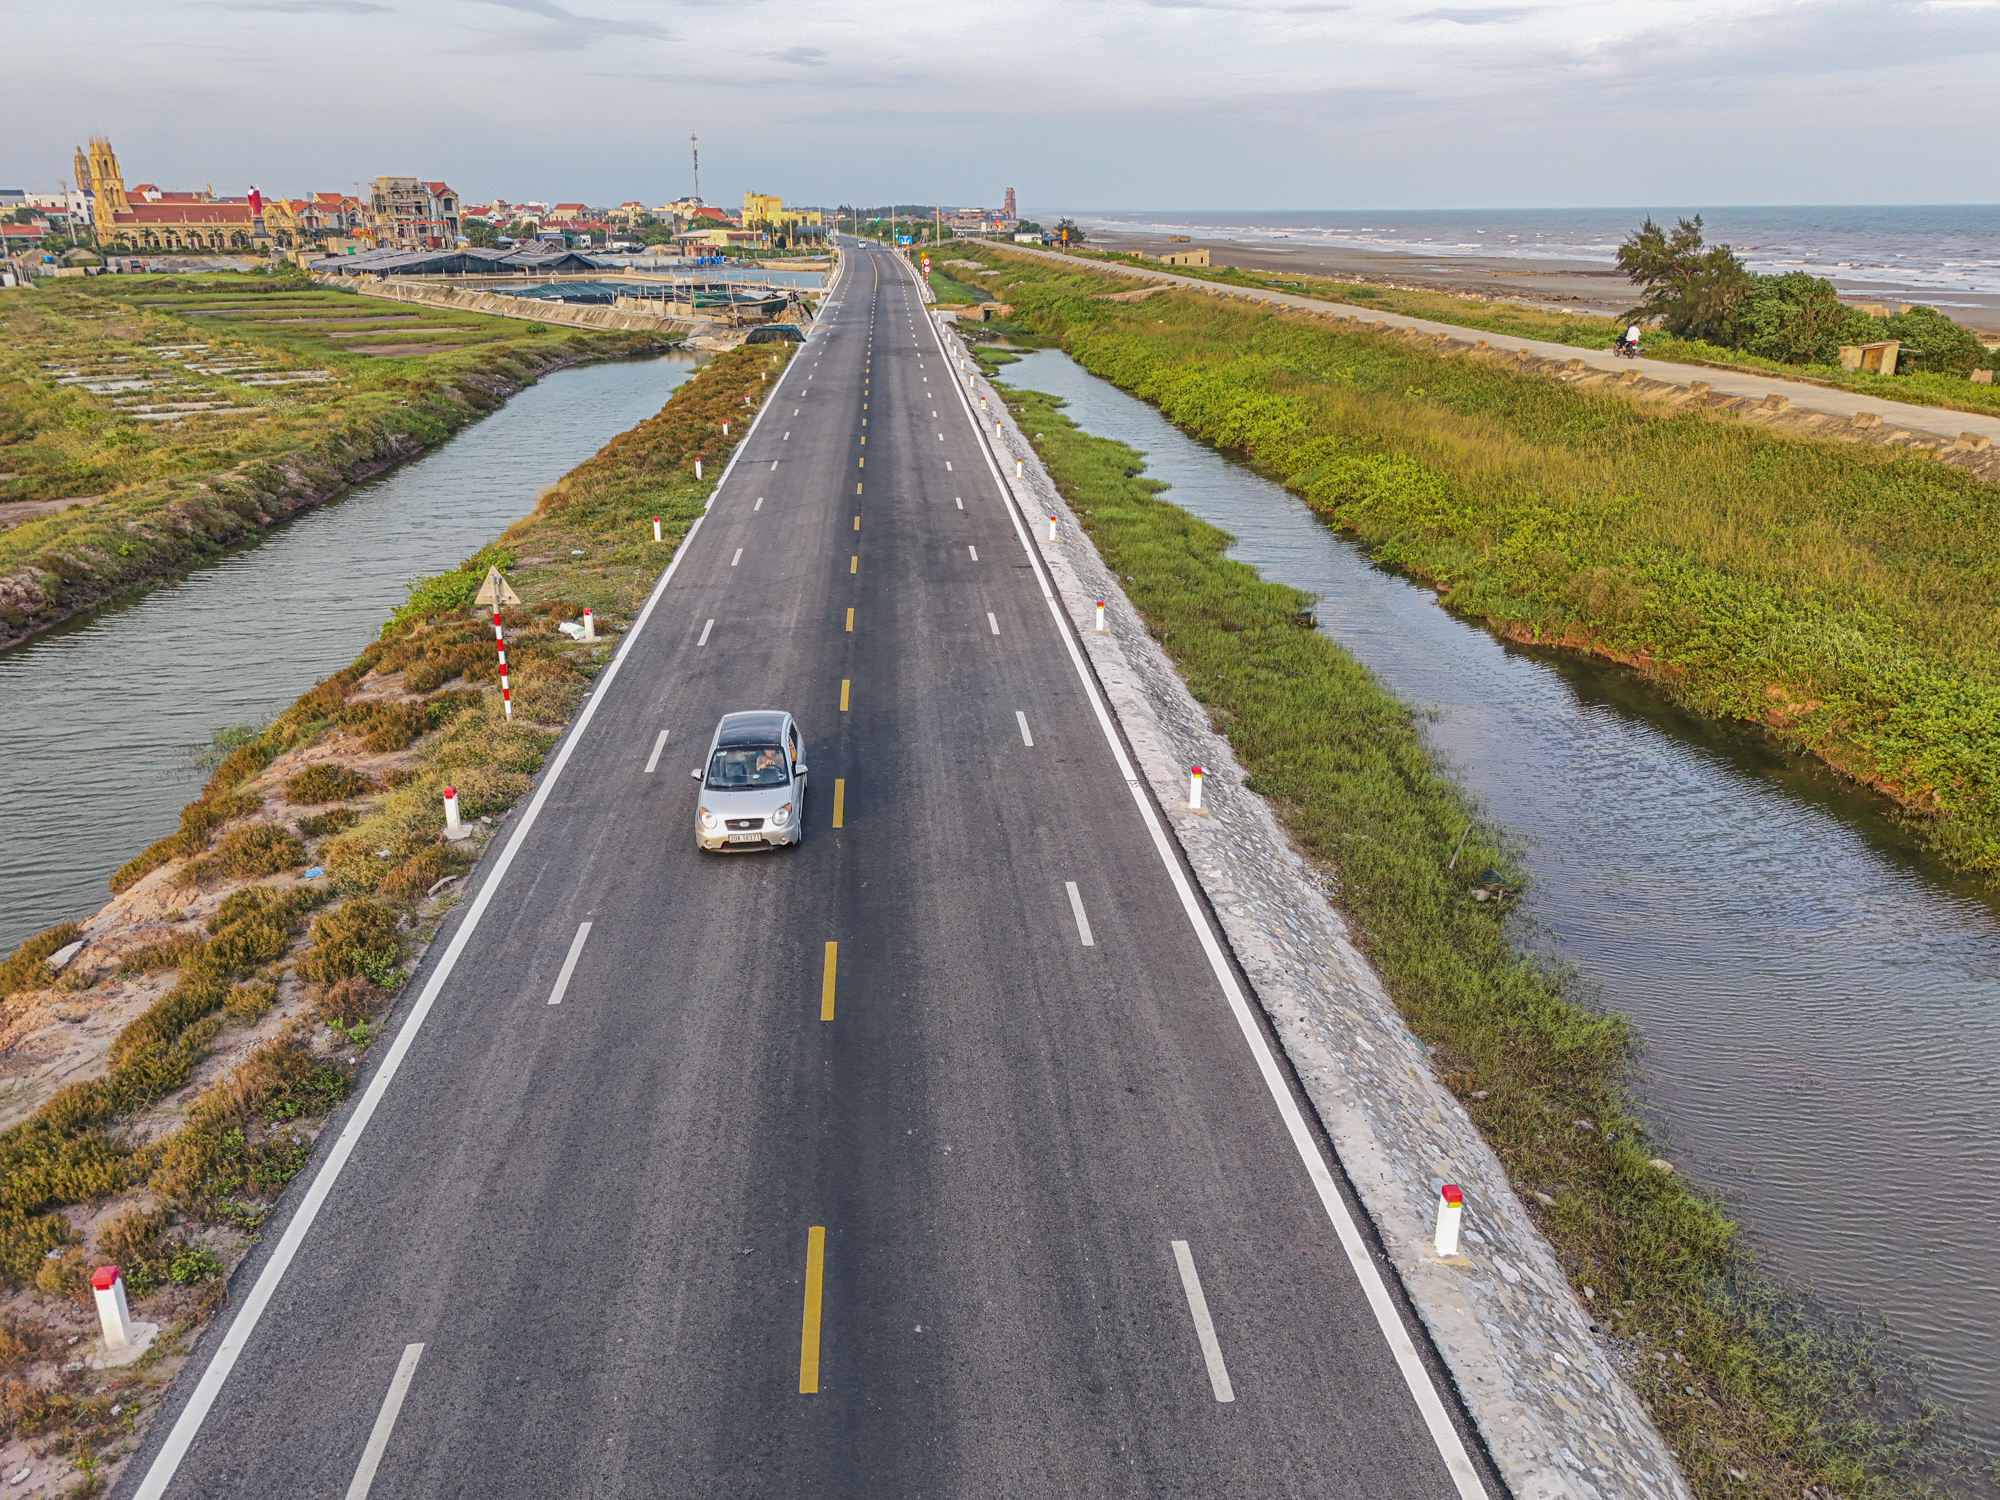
pixel 1631 340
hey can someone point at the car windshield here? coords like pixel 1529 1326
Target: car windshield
pixel 747 766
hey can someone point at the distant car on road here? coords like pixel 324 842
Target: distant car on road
pixel 753 789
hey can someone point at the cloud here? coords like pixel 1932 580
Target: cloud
pixel 1251 7
pixel 298 7
pixel 566 32
pixel 1499 15
pixel 804 57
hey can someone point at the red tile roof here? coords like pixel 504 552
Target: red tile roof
pixel 140 214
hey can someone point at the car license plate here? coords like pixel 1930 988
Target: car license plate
pixel 746 838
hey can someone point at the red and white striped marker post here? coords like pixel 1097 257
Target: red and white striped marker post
pixel 500 643
pixel 454 827
pixel 1451 1204
pixel 1100 617
pixel 1194 787
pixel 108 1288
pixel 589 626
pixel 1052 528
pixel 656 528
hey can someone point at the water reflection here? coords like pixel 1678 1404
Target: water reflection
pixel 1819 1001
pixel 97 716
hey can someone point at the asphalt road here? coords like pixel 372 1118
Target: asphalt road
pixel 618 1225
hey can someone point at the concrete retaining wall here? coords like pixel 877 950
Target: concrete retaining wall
pixel 499 305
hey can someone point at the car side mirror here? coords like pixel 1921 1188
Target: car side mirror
pixel 798 770
pixel 696 773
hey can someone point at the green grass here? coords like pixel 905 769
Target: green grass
pixel 1840 595
pixel 173 492
pixel 1777 1397
pixel 1579 330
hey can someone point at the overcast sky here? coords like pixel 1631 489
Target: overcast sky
pixel 1222 104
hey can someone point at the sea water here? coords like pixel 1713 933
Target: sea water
pixel 1928 253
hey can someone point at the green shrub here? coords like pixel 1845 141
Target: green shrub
pixel 1932 342
pixel 258 849
pixel 27 968
pixel 326 783
pixel 1797 320
pixel 322 824
pixel 358 937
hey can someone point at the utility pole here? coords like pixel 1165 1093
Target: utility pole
pixel 694 146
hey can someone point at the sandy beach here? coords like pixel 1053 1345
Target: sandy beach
pixel 1557 285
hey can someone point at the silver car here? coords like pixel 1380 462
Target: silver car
pixel 753 791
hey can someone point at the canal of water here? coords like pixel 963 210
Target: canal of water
pixel 100 717
pixel 1819 1000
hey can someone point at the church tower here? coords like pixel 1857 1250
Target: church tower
pixel 106 185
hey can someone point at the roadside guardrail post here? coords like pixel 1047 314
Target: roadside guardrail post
pixel 1451 1204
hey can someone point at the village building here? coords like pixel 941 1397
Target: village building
pixel 407 214
pixel 148 218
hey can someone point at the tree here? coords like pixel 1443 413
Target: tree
pixel 1027 226
pixel 1695 293
pixel 1797 320
pixel 1068 234
pixel 1933 343
pixel 481 234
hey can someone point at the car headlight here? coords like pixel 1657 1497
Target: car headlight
pixel 710 823
pixel 782 816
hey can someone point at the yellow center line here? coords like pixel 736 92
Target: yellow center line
pixel 854 563
pixel 843 694
pixel 809 1336
pixel 826 982
pixel 850 617
pixel 857 523
pixel 839 799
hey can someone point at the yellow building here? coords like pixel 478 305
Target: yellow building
pixel 768 208
pixel 151 219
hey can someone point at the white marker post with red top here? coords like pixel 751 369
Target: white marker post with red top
pixel 1451 1204
pixel 1100 617
pixel 108 1288
pixel 454 828
pixel 1194 787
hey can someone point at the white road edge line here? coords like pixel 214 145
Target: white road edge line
pixel 658 745
pixel 168 1460
pixel 1204 1326
pixel 569 965
pixel 1429 1404
pixel 1076 907
pixel 704 633
pixel 1026 738
pixel 385 1422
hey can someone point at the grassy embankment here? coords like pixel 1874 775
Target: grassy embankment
pixel 1735 1376
pixel 1584 331
pixel 305 388
pixel 422 694
pixel 1839 595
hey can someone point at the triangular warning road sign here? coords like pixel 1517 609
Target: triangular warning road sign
pixel 495 591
